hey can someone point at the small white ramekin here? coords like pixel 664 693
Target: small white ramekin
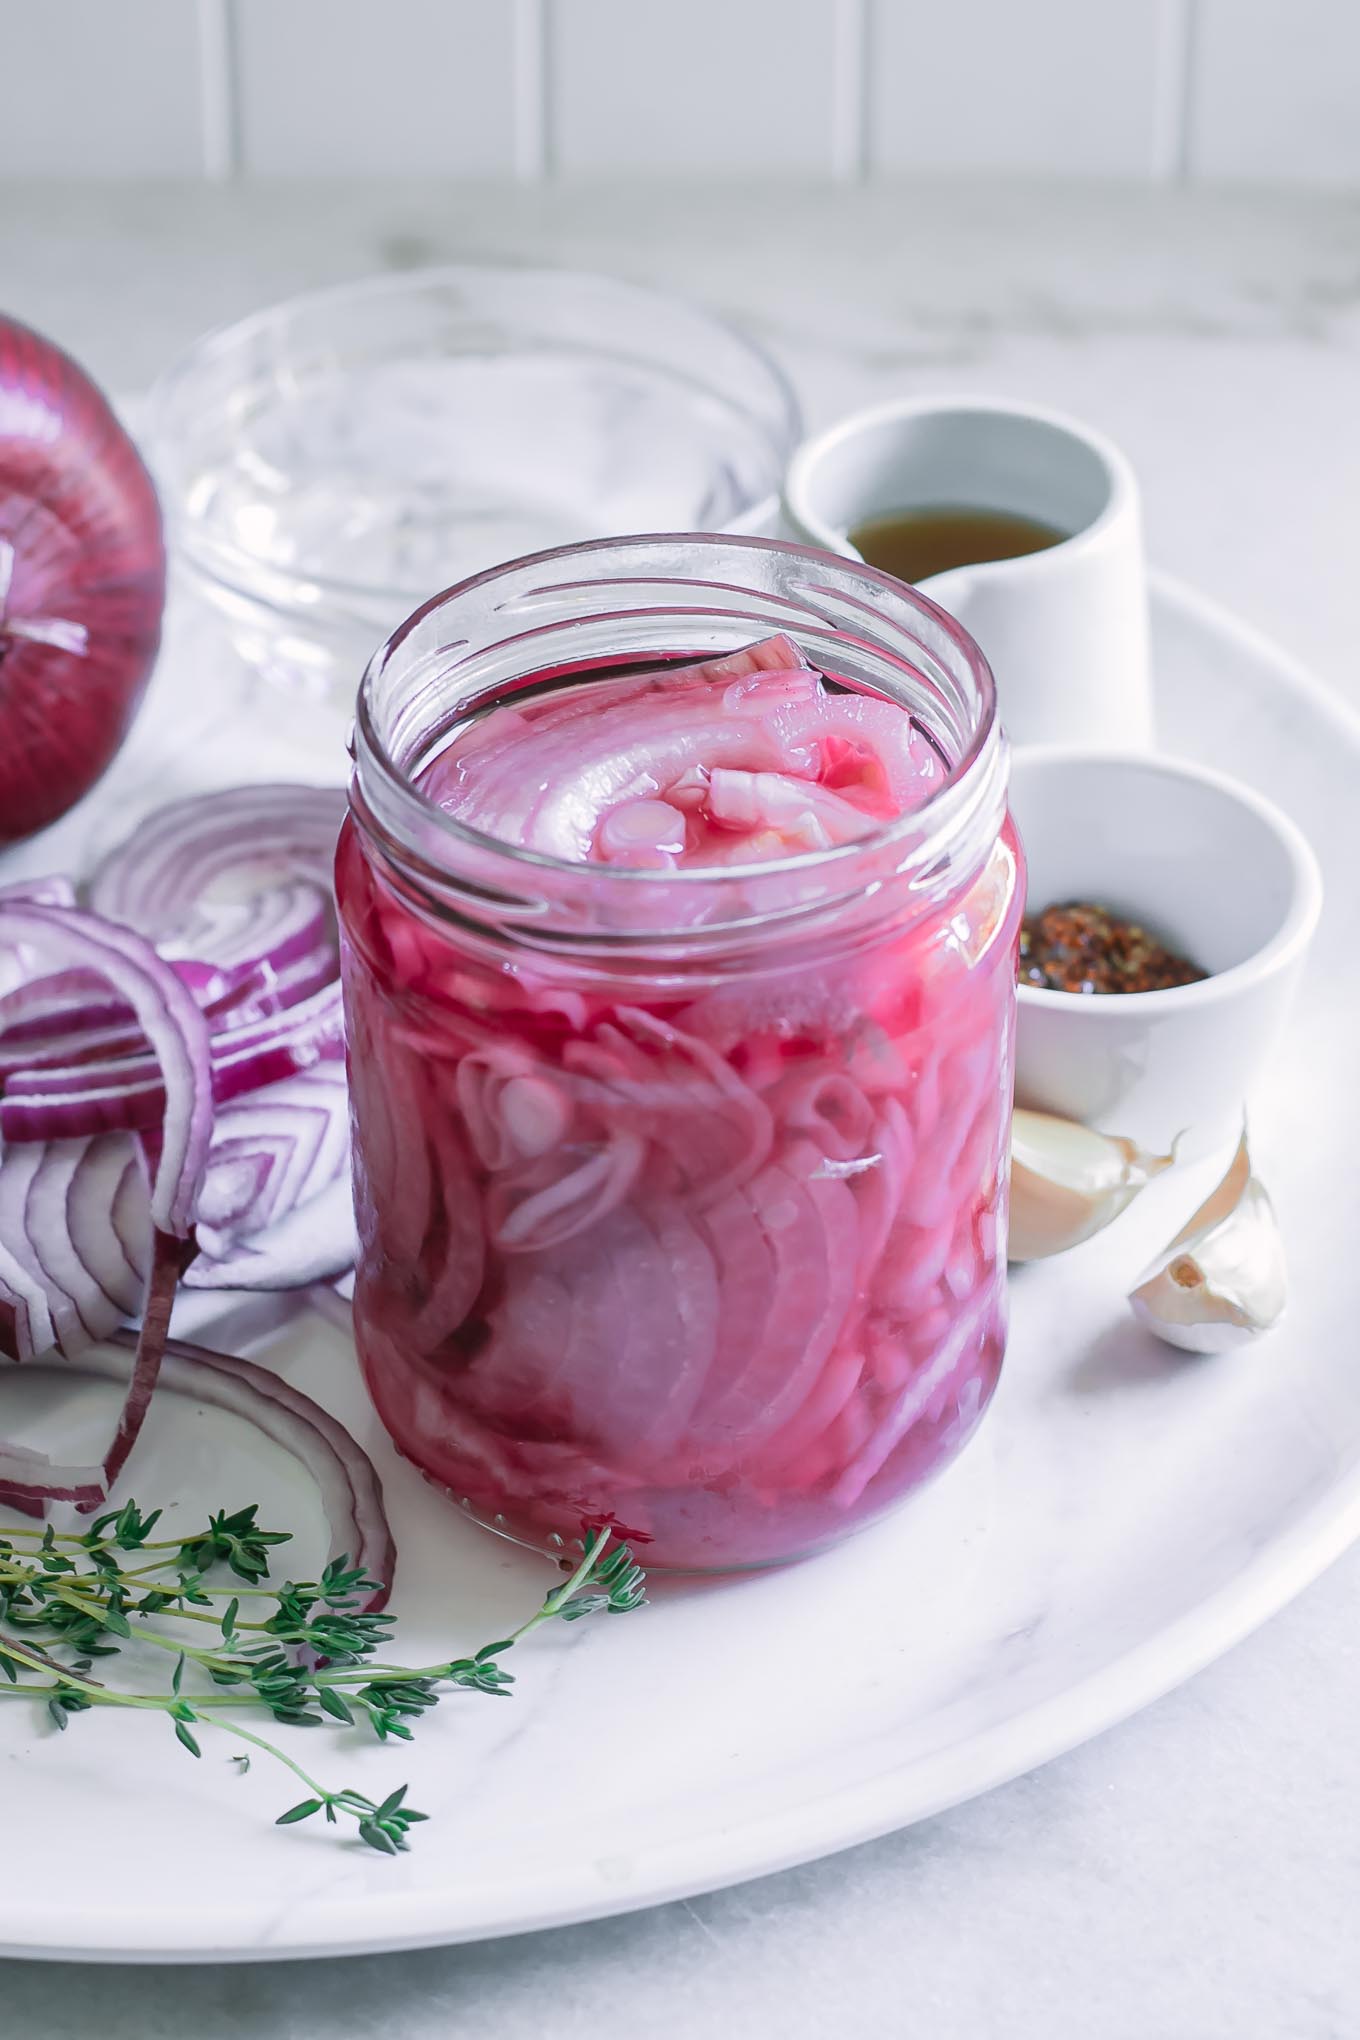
pixel 1215 871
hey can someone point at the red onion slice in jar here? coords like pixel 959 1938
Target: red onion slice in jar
pixel 686 1254
pixel 812 1232
pixel 454 1260
pixel 544 1205
pixel 806 817
pixel 691 1105
pixel 513 1108
pixel 613 1331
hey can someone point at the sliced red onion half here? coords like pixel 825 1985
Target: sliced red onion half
pixel 188 861
pixel 125 1093
pixel 27 1480
pixel 147 1089
pixel 286 1143
pixel 56 891
pixel 277 1211
pixel 315 1242
pixel 238 885
pixel 165 1012
pixel 351 1492
pixel 49 1292
pixel 69 1017
pixel 234 889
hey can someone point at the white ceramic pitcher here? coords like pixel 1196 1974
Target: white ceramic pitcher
pixel 1065 629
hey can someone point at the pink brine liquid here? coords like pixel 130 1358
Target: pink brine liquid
pixel 714 1255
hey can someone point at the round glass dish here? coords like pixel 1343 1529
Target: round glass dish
pixel 681 1194
pixel 325 462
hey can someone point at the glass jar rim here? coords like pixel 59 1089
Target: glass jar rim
pixel 985 721
pixel 934 847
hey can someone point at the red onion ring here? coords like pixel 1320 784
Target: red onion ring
pixel 28 1481
pixel 158 879
pixel 178 1034
pixel 171 1022
pixel 126 1093
pixel 55 891
pixel 351 1492
pixel 245 1003
pixel 314 1242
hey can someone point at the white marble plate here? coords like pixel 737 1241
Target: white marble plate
pixel 1124 1515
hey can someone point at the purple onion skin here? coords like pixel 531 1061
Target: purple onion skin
pixel 79 511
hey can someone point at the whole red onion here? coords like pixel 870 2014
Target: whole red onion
pixel 82 582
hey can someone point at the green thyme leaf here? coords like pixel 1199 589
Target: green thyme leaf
pixel 307 1654
pixel 304 1809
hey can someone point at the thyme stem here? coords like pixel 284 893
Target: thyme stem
pixel 313 1658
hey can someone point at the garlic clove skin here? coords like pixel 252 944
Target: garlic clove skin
pixel 1221 1282
pixel 1068 1182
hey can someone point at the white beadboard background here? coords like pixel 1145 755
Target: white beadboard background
pixel 1168 90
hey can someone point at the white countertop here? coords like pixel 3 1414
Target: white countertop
pixel 1194 1874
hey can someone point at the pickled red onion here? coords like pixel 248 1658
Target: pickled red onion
pixel 689 766
pixel 713 1254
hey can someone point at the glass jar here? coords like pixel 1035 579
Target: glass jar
pixel 681 1194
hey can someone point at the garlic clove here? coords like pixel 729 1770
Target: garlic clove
pixel 1068 1182
pixel 1221 1281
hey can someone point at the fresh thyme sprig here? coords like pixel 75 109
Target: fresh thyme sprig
pixel 304 1652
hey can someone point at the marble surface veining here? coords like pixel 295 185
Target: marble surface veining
pixel 1194 1873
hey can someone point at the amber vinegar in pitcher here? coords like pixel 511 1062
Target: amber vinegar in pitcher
pixel 933 537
